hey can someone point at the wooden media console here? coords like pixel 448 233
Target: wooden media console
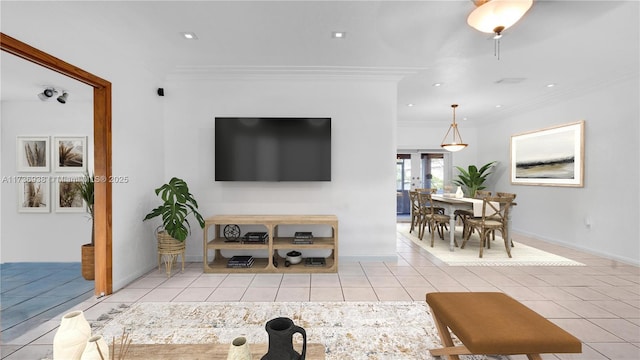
pixel 273 243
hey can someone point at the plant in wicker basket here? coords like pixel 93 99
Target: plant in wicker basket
pixel 86 190
pixel 178 204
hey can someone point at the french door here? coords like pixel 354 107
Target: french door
pixel 418 169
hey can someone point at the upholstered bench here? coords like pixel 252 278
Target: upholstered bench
pixel 494 323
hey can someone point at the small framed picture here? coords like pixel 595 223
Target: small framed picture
pixel 67 196
pixel 32 153
pixel 33 196
pixel 70 153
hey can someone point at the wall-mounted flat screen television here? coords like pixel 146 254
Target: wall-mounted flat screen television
pixel 272 149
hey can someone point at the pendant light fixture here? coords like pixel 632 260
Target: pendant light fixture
pixel 456 143
pixel 495 16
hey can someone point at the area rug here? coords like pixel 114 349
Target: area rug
pixel 522 255
pixel 348 330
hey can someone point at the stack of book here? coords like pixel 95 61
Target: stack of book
pixel 303 237
pixel 240 262
pixel 255 237
pixel 315 261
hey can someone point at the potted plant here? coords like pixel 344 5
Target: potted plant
pixel 177 204
pixel 86 189
pixel 473 178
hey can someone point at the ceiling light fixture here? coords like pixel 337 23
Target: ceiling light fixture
pixel 62 99
pixel 495 16
pixel 47 93
pixel 338 34
pixel 189 36
pixel 456 143
pixel 50 92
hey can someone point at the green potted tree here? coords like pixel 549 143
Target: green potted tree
pixel 177 204
pixel 86 189
pixel 472 178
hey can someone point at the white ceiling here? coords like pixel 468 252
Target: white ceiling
pixel 578 45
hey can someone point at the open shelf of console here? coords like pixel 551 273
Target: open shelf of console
pixel 213 242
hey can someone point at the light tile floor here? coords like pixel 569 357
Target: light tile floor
pixel 599 303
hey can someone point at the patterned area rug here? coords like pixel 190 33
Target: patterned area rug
pixel 348 330
pixel 522 255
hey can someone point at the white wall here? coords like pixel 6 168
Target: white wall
pixel 361 192
pixel 52 236
pixel 610 198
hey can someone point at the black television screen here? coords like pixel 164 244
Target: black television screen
pixel 272 149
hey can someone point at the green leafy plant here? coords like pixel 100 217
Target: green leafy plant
pixel 473 178
pixel 178 203
pixel 86 189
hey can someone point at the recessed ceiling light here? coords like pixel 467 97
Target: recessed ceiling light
pixel 189 35
pixel 436 84
pixel 551 85
pixel 410 105
pixel 498 106
pixel 338 34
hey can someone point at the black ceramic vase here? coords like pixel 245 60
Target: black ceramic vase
pixel 280 331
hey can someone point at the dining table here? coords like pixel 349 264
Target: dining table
pixel 451 203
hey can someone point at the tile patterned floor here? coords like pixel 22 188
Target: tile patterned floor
pixel 599 303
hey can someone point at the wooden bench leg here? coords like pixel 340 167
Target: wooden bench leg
pixel 534 357
pixel 449 350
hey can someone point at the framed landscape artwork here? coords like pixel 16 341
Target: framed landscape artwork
pixel 32 153
pixel 68 198
pixel 33 197
pixel 552 156
pixel 70 153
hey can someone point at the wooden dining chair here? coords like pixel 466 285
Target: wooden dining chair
pixel 432 218
pixel 463 214
pixel 495 211
pixel 415 209
pixel 512 196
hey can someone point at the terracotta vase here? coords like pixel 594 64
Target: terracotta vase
pixel 239 349
pixel 96 349
pixel 71 337
pixel 281 332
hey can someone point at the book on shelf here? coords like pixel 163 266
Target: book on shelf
pixel 302 241
pixel 315 261
pixel 255 237
pixel 240 261
pixel 303 235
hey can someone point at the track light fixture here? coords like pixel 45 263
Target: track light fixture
pixel 50 92
pixel 63 98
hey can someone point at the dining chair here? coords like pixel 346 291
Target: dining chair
pixel 463 214
pixel 432 218
pixel 415 209
pixel 495 211
pixel 513 197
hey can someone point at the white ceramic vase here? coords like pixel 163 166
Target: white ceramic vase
pixel 459 193
pixel 239 349
pixel 71 337
pixel 97 349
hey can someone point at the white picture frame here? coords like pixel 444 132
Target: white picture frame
pixel 69 153
pixel 34 195
pixel 67 197
pixel 32 154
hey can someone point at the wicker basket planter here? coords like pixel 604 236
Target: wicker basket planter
pixel 88 262
pixel 168 250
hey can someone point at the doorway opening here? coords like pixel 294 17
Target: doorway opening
pixel 418 169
